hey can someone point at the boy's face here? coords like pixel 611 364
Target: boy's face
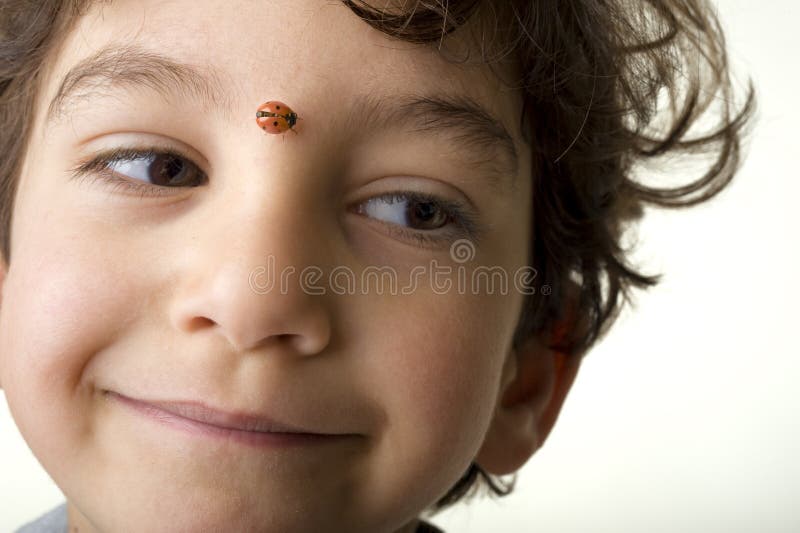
pixel 150 297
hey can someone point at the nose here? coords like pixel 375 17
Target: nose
pixel 224 276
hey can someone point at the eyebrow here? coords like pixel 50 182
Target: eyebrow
pixel 132 66
pixel 476 132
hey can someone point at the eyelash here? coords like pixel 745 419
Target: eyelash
pixel 97 168
pixel 458 214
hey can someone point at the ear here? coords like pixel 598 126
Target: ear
pixel 535 381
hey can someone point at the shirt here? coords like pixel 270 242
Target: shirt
pixel 55 521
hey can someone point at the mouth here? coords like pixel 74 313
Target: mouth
pixel 247 428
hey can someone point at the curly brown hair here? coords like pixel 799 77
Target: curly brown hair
pixel 596 75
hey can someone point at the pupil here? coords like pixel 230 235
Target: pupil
pixel 168 168
pixel 426 212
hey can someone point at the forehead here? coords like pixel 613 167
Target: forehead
pixel 287 45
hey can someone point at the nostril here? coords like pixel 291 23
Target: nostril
pixel 199 322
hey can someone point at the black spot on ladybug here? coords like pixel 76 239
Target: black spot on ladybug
pixel 277 107
pixel 275 123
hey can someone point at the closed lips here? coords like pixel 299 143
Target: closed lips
pixel 202 413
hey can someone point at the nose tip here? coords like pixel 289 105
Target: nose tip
pixel 248 319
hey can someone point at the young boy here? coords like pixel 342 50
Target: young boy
pixel 145 214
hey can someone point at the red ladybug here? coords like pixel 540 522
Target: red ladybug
pixel 275 117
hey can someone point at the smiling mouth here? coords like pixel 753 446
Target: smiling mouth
pixel 199 419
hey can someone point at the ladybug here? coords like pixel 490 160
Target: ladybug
pixel 275 117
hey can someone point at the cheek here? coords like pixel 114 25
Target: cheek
pixel 437 364
pixel 62 300
pixel 445 365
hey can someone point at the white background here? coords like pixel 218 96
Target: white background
pixel 685 417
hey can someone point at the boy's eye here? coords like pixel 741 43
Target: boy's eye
pixel 417 211
pixel 428 220
pixel 165 170
pixel 148 171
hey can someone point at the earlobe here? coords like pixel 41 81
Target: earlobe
pixel 535 384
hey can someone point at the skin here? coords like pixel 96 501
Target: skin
pixel 149 297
